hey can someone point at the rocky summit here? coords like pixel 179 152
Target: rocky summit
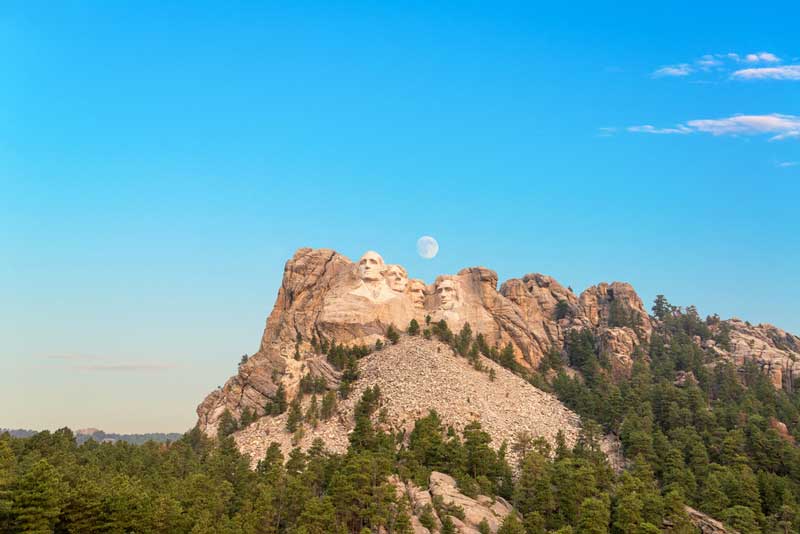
pixel 325 298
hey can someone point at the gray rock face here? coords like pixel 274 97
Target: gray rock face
pixel 417 376
pixel 444 487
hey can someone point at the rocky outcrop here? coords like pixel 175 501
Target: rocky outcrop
pixel 547 307
pixel 619 345
pixel 324 298
pixel 614 305
pixel 707 524
pixel 481 509
pixel 476 511
pixel 775 351
pixel 417 376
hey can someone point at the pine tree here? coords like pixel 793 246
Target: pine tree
pixel 534 523
pixel 447 526
pixel 741 518
pixel 481 459
pixel 413 328
pixel 7 474
pixel 227 425
pixel 278 405
pixel 511 525
pixel 295 417
pixel 312 414
pixel 392 334
pixel 533 492
pixel 328 405
pixel 628 513
pixel 38 499
pixel 318 517
pixel 594 516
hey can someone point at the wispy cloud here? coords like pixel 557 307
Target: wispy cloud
pixel 777 125
pixel 125 367
pixel 787 164
pixel 784 72
pixel 760 65
pixel 606 131
pixel 83 362
pixel 649 128
pixel 683 69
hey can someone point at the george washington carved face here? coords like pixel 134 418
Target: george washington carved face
pixel 417 290
pixel 370 266
pixel 396 277
pixel 447 294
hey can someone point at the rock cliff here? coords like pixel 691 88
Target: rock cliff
pixel 325 297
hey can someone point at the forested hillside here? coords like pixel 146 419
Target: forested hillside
pixel 696 431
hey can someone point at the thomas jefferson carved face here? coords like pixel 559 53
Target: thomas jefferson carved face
pixel 417 290
pixel 447 293
pixel 396 277
pixel 370 266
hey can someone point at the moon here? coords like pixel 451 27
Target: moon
pixel 427 247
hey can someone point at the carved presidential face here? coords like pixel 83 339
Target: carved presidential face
pixel 447 293
pixel 370 266
pixel 417 290
pixel 396 277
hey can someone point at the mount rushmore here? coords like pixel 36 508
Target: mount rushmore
pixel 325 296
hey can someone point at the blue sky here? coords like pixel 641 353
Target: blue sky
pixel 160 161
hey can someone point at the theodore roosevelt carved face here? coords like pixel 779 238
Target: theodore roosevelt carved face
pixel 396 277
pixel 417 290
pixel 370 266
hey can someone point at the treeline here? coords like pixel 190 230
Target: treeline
pixel 708 431
pixel 48 483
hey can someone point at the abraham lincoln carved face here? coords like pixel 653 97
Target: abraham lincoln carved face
pixel 447 294
pixel 370 267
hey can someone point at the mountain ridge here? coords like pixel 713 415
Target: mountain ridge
pixel 325 297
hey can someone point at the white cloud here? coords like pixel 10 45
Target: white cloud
pixel 760 65
pixel 766 57
pixel 709 61
pixel 649 128
pixel 786 72
pixel 787 164
pixel 777 125
pixel 673 70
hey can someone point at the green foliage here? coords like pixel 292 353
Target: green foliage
pixel 227 425
pixel 277 405
pixel 392 334
pixel 328 405
pixel 426 517
pixel 562 310
pixel 709 443
pixel 442 331
pixel 706 442
pixel 295 416
pixel 511 525
pixel 38 499
pixel 413 328
pixel 311 384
